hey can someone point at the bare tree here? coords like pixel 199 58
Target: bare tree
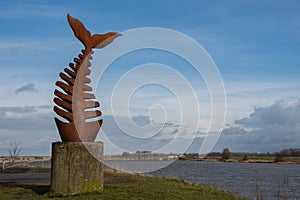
pixel 14 150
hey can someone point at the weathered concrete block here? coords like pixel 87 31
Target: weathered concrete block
pixel 74 169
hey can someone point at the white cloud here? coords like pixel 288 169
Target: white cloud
pixel 30 87
pixel 16 91
pixel 266 129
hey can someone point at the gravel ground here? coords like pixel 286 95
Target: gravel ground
pixel 25 176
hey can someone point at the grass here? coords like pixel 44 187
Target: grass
pixel 121 186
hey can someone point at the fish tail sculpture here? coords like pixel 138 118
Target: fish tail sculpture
pixel 75 101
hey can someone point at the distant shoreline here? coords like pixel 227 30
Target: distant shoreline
pixel 25 159
pixel 240 161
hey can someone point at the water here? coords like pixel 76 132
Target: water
pixel 251 180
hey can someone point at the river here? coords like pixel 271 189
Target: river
pixel 250 180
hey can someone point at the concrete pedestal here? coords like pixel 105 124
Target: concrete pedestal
pixel 74 169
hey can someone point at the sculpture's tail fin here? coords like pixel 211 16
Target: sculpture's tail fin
pixel 80 31
pixel 101 40
pixel 89 41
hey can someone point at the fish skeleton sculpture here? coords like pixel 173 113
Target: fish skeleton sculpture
pixel 75 101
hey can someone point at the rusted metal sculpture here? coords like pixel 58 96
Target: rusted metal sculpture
pixel 75 102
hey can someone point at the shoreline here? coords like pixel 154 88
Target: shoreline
pixel 30 159
pixel 238 161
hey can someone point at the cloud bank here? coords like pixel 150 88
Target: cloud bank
pixel 32 126
pixel 267 129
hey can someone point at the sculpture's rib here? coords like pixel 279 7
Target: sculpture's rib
pixel 66 78
pixel 63 96
pixel 67 88
pixel 81 56
pixel 87 88
pixel 70 73
pixel 68 116
pixel 92 114
pixel 77 61
pixel 91 104
pixel 87 80
pixel 73 66
pixel 87 71
pixel 88 96
pixel 65 105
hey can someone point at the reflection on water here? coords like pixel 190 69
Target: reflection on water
pixel 269 181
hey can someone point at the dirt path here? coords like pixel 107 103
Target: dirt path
pixel 25 176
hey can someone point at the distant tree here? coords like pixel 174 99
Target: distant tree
pixel 245 157
pixel 14 150
pixel 292 152
pixel 278 157
pixel 225 154
pixel 125 154
pixel 285 152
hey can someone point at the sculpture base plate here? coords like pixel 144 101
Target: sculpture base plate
pixel 76 168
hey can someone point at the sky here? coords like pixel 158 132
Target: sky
pixel 255 46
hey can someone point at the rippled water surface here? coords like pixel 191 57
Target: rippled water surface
pixel 269 181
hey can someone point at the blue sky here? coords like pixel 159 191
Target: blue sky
pixel 255 45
